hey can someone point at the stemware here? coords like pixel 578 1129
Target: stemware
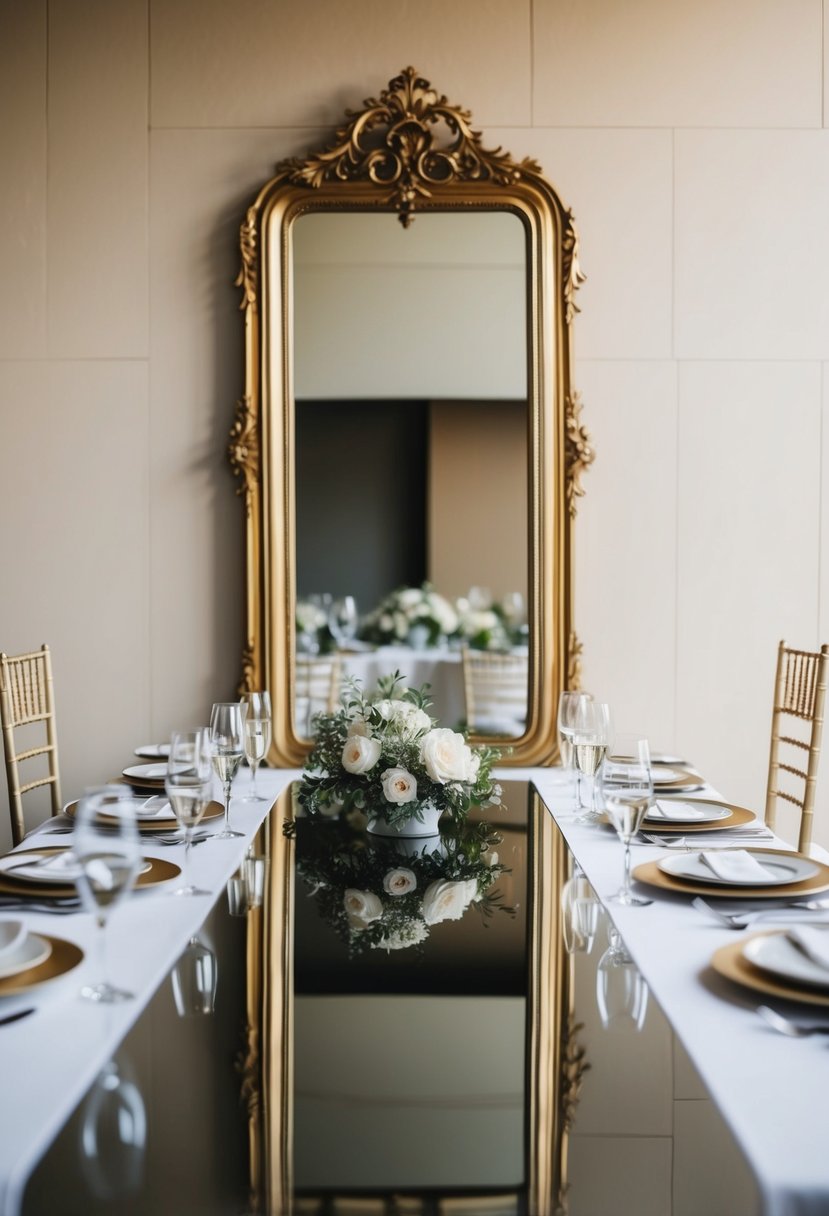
pixel 621 991
pixel 195 979
pixel 343 620
pixel 627 791
pixel 568 704
pixel 580 913
pixel 227 745
pixel 188 785
pixel 591 739
pixel 113 1134
pixel 257 709
pixel 108 849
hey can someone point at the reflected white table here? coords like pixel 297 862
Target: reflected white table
pixel 441 669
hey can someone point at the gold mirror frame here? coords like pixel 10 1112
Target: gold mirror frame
pixel 408 152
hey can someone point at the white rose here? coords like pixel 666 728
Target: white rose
pixel 444 900
pixel 362 907
pixel 410 597
pixel 446 756
pixel 445 615
pixel 360 754
pixel 399 882
pixel 386 622
pixel 399 786
pixel 401 624
pixel 358 726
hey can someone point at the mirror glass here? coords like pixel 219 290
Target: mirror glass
pixel 411 454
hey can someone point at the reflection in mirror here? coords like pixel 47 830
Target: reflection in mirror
pixel 113 1133
pixel 410 356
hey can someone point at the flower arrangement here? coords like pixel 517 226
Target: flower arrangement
pixel 313 634
pixel 418 616
pixel 491 625
pixel 376 898
pixel 385 756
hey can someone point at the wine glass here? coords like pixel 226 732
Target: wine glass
pixel 568 704
pixel 621 991
pixel 188 785
pixel 227 745
pixel 257 706
pixel 106 843
pixel 580 911
pixel 113 1134
pixel 343 620
pixel 627 791
pixel 194 979
pixel 591 739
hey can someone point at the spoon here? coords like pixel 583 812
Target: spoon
pixel 786 1026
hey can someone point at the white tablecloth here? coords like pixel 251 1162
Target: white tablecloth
pixel 772 1091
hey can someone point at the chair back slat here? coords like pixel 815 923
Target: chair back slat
pixel 495 688
pixel 316 689
pixel 799 693
pixel 26 699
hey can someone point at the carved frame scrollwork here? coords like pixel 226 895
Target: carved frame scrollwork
pixel 408 151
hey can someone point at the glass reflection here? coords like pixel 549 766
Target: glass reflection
pixel 581 913
pixel 194 980
pixel 621 991
pixel 113 1133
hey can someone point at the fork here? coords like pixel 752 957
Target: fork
pixel 742 920
pixel 794 1030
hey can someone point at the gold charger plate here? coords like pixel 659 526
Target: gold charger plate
pixel 63 958
pixel 159 870
pixel 739 816
pixel 730 963
pixel 652 876
pixel 214 811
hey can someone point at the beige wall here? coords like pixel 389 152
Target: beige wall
pixel 689 139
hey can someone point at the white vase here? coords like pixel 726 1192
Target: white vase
pixel 428 826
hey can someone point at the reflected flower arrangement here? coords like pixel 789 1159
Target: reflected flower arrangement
pixel 388 895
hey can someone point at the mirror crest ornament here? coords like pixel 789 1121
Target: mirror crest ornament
pixel 408 152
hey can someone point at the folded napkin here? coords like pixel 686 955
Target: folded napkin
pixel 735 865
pixel 681 811
pixel 62 867
pixel 814 943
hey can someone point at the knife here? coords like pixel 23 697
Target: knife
pixel 15 1017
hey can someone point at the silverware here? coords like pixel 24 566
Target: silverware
pixel 742 920
pixel 783 1025
pixel 15 1017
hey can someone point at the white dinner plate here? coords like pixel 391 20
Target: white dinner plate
pixel 690 810
pixel 667 776
pixel 157 807
pixel 146 772
pixel 782 868
pixel 50 867
pixel 12 935
pixel 774 953
pixel 31 951
pixel 153 751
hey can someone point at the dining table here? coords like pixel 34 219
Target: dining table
pixel 503 1063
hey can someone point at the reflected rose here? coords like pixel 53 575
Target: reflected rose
pixel 399 882
pixel 445 900
pixel 362 907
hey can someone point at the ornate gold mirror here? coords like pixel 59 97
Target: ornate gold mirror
pixel 409 419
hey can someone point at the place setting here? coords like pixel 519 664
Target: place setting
pixel 791 963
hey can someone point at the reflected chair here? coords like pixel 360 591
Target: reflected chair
pixel 317 689
pixel 799 696
pixel 26 699
pixel 495 687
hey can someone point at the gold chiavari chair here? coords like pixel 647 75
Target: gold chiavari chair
pixel 799 694
pixel 317 689
pixel 26 698
pixel 495 687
